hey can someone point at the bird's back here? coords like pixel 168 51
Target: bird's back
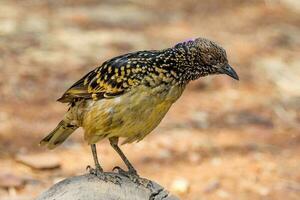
pixel 113 77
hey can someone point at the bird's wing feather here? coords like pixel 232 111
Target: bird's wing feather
pixel 112 78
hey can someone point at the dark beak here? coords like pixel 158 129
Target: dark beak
pixel 227 69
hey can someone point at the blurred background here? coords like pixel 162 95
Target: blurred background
pixel 223 139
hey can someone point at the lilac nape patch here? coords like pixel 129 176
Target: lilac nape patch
pixel 189 40
pixel 186 41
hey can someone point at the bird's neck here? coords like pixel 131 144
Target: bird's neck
pixel 181 62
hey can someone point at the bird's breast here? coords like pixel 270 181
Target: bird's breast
pixel 131 115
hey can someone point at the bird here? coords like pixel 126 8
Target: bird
pixel 127 96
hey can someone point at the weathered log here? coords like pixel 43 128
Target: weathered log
pixel 90 187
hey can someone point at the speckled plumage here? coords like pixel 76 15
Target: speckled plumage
pixel 174 66
pixel 127 96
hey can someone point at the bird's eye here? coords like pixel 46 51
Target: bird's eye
pixel 210 58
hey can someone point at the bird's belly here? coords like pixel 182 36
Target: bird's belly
pixel 136 121
pixel 132 115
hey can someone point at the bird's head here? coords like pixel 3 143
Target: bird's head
pixel 207 57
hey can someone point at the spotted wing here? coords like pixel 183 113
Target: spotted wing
pixel 112 78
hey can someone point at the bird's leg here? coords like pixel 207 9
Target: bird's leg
pixel 98 169
pixel 114 143
pixel 131 174
pixel 95 156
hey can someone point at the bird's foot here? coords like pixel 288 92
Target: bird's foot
pixel 106 177
pixel 133 176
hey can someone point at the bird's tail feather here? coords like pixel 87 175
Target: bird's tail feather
pixel 58 135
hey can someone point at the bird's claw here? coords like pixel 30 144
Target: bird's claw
pixel 106 177
pixel 125 173
pixel 133 176
pixel 93 171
